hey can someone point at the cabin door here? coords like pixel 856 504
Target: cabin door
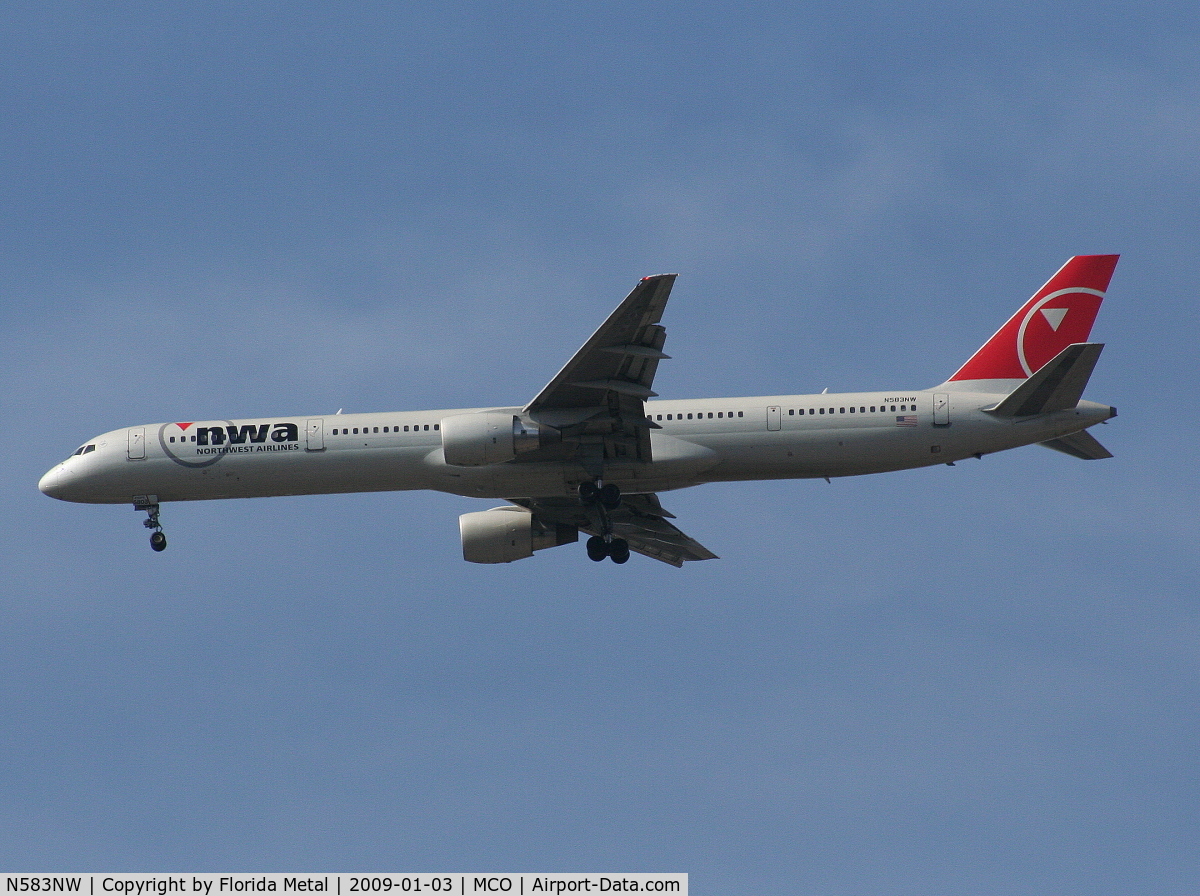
pixel 137 443
pixel 941 409
pixel 315 433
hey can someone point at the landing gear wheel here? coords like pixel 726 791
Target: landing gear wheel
pixel 150 507
pixel 588 491
pixel 618 549
pixel 610 495
pixel 597 549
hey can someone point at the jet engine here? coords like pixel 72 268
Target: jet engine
pixel 490 437
pixel 505 534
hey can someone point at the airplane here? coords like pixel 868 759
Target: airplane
pixel 591 451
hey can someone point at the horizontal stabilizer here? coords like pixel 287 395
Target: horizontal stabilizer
pixel 1058 386
pixel 1080 444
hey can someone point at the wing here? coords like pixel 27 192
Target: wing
pixel 596 400
pixel 640 520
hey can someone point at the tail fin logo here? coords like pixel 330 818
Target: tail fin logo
pixel 1054 316
pixel 1061 313
pixel 1042 335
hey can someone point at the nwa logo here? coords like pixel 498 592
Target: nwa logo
pixel 214 442
pixel 252 433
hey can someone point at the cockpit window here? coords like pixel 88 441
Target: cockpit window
pixel 85 449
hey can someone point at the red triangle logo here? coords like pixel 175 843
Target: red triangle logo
pixel 183 426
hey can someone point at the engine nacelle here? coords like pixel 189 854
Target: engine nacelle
pixel 505 534
pixel 478 440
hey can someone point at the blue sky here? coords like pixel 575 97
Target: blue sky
pixel 977 679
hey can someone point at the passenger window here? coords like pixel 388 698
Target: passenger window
pixel 710 415
pixel 741 413
pixel 822 410
pixel 852 410
pixel 406 429
pixel 436 427
pixel 843 410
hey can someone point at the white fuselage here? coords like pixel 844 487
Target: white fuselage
pixel 702 440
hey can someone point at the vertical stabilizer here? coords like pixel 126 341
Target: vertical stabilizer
pixel 1059 314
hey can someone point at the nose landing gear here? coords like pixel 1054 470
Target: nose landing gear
pixel 158 541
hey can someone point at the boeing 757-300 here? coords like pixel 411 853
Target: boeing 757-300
pixel 592 450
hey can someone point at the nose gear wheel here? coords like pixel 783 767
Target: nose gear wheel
pixel 158 541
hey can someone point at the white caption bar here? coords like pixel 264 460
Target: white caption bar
pixel 457 883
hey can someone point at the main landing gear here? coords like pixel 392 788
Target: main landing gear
pixel 158 541
pixel 604 497
pixel 616 548
pixel 606 494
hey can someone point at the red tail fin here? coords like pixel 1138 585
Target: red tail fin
pixel 1061 313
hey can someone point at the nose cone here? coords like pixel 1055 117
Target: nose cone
pixel 51 483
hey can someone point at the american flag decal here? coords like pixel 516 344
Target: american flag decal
pixel 906 419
